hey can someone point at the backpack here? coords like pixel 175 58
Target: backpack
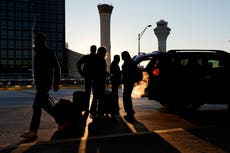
pixel 138 75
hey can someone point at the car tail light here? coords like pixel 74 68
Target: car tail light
pixel 156 72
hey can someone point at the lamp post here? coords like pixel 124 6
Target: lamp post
pixel 140 35
pixel 32 41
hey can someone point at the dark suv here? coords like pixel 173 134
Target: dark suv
pixel 186 79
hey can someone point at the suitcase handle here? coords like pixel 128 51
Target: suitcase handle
pixel 51 99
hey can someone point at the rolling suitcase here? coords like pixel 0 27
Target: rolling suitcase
pixel 64 111
pixel 81 100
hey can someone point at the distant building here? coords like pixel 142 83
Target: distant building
pixel 18 20
pixel 73 57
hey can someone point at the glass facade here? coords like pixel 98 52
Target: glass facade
pixel 18 20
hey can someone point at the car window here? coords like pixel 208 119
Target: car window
pixel 215 63
pixel 184 61
pixel 152 64
pixel 144 63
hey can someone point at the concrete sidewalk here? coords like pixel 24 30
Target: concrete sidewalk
pixel 125 143
pixel 98 137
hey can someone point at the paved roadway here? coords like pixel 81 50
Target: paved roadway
pixel 156 129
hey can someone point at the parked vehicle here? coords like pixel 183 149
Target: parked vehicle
pixel 187 79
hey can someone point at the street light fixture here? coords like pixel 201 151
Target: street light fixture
pixel 140 35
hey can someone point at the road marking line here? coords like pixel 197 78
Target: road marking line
pixel 186 142
pixel 169 130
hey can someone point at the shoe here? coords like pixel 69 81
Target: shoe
pixel 129 118
pixel 30 135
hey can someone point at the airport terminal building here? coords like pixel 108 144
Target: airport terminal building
pixel 20 19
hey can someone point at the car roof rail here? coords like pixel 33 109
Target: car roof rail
pixel 145 56
pixel 197 50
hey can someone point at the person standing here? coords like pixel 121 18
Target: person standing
pixel 97 106
pixel 47 74
pixel 128 72
pixel 115 81
pixel 85 67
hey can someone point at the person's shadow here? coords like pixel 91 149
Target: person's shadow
pixel 108 126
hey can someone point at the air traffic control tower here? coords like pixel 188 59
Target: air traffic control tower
pixel 162 31
pixel 105 12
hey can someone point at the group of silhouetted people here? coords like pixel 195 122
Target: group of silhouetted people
pixel 92 67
